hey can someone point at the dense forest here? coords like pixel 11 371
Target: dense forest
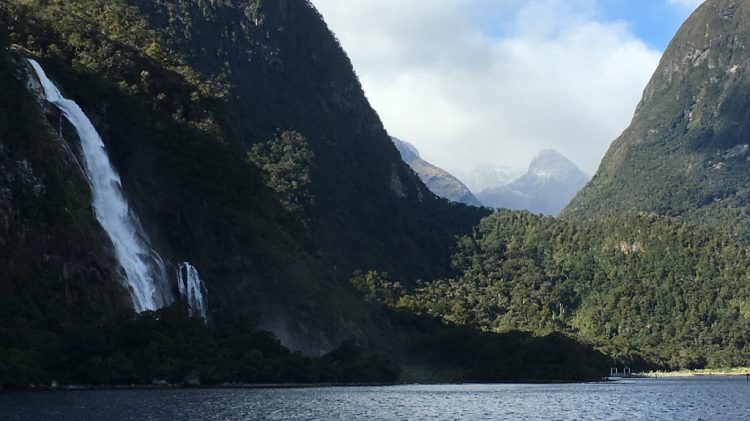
pixel 650 291
pixel 169 347
pixel 185 174
pixel 243 205
pixel 246 145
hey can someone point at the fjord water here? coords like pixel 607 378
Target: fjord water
pixel 721 398
pixel 143 267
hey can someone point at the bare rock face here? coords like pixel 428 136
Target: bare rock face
pixel 684 153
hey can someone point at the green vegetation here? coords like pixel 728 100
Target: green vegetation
pixel 284 71
pixel 168 346
pixel 286 162
pixel 179 127
pixel 679 295
pixel 466 355
pixel 53 270
pixel 246 145
pixel 647 290
pixel 686 151
pixel 182 169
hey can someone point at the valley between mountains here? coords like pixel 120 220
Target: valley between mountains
pixel 199 192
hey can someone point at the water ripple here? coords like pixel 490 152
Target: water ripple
pixel 637 399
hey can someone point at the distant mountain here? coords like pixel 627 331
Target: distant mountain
pixel 548 185
pixel 439 181
pixel 686 150
pixel 488 176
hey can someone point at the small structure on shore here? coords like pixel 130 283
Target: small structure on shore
pixel 615 372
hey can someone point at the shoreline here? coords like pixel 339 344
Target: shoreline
pixel 734 372
pixel 173 386
pixel 704 372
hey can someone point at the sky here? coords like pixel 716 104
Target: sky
pixel 488 83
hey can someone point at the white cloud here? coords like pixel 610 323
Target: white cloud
pixel 491 82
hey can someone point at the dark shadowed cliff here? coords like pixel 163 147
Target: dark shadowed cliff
pixel 245 145
pixel 285 71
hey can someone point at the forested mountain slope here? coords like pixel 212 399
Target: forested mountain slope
pixel 185 173
pixel 650 260
pixel 686 152
pixel 284 71
pixel 651 291
pixel 244 145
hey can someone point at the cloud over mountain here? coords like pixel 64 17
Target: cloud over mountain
pixel 475 83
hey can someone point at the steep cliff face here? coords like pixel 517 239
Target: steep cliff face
pixel 190 98
pixel 284 71
pixel 186 176
pixel 686 150
pixel 56 266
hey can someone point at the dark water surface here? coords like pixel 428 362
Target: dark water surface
pixel 723 398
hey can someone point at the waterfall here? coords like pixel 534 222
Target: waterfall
pixel 192 289
pixel 144 269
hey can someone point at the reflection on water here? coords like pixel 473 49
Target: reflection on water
pixel 691 398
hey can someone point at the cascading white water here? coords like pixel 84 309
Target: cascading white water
pixel 143 268
pixel 192 289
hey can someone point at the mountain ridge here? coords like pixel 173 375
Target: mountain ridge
pixel 683 153
pixel 356 170
pixel 439 181
pixel 549 183
pixel 276 193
